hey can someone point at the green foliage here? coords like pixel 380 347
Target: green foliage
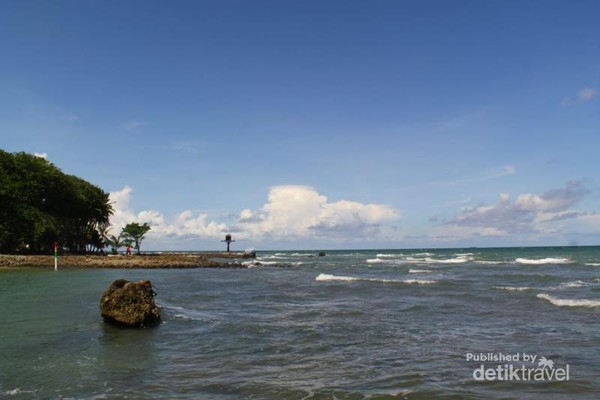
pixel 39 204
pixel 134 233
pixel 114 242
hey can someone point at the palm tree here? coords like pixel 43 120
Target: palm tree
pixel 114 242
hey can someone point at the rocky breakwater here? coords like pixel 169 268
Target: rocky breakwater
pixel 147 261
pixel 130 304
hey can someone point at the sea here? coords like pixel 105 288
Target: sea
pixel 494 323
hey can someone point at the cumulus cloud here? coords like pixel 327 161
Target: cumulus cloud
pixel 301 211
pixel 526 213
pixel 290 212
pixel 185 223
pixel 41 155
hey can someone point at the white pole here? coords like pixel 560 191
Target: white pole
pixel 55 256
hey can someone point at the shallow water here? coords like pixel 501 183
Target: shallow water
pixel 351 325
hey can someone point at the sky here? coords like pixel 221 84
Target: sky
pixel 316 124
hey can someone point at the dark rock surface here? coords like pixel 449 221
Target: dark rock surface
pixel 130 304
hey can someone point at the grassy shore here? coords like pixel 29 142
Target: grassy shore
pixel 180 260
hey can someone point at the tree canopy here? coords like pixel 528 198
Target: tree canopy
pixel 134 233
pixel 39 204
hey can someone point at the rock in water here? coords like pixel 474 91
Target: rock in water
pixel 130 304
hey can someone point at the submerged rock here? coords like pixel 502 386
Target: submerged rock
pixel 322 254
pixel 130 304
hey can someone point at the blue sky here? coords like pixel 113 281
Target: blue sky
pixel 316 124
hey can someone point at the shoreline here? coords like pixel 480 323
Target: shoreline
pixel 134 261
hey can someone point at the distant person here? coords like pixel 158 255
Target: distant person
pixel 128 250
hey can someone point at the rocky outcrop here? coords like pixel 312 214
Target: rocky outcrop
pixel 130 304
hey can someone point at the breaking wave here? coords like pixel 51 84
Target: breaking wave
pixel 541 261
pixel 329 277
pixel 514 288
pixel 574 284
pixel 569 302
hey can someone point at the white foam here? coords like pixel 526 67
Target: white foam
pixel 457 260
pixel 575 284
pixel 541 261
pixel 419 271
pixel 257 263
pixel 569 302
pixel 419 282
pixel 329 277
pixel 389 255
pixel 183 317
pixel 16 391
pixel 513 288
pixel 423 260
pixel 593 264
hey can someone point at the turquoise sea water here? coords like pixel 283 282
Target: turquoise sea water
pixel 374 324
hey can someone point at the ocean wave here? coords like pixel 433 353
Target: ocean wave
pixel 419 281
pixel 574 284
pixel 397 255
pixel 593 264
pixel 16 391
pixel 569 302
pixel 376 261
pixel 513 288
pixel 456 260
pixel 541 261
pixel 259 263
pixel 329 277
pixel 423 260
pixel 419 271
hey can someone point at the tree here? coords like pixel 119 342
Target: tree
pixel 114 242
pixel 39 204
pixel 134 232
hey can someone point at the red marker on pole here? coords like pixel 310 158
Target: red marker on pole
pixel 55 256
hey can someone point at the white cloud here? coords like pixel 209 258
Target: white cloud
pixel 528 213
pixel 302 212
pixel 290 212
pixel 183 224
pixel 41 155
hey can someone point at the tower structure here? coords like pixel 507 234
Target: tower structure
pixel 228 240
